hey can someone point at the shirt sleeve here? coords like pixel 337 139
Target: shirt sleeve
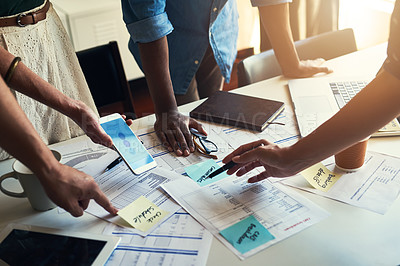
pixel 146 20
pixel 268 2
pixel 392 63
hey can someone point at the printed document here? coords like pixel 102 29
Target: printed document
pixel 119 184
pixel 374 187
pixel 226 138
pixel 222 204
pixel 180 240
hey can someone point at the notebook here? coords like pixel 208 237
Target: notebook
pixel 317 99
pixel 238 110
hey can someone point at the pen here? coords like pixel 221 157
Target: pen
pixel 113 164
pixel 223 168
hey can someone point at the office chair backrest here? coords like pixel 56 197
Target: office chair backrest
pixel 326 45
pixel 104 73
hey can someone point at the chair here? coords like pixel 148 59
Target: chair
pixel 104 73
pixel 326 45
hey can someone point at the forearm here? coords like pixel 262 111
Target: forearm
pixel 275 20
pixel 18 136
pixel 371 109
pixel 155 60
pixel 27 82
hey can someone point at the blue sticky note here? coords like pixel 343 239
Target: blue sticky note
pixel 247 234
pixel 199 172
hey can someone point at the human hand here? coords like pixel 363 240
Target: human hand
pixel 260 153
pixel 88 121
pixel 307 68
pixel 72 190
pixel 84 117
pixel 172 129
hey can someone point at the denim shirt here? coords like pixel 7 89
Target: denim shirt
pixel 190 25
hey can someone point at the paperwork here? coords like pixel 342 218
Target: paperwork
pixel 226 138
pixel 222 204
pixel 180 240
pixel 119 184
pixel 374 187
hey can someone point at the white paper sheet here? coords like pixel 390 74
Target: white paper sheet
pixel 374 187
pixel 119 184
pixel 219 205
pixel 180 240
pixel 226 138
pixel 122 188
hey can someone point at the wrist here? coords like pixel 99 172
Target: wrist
pixel 298 159
pixel 46 165
pixel 166 112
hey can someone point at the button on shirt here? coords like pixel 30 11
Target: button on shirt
pixel 190 25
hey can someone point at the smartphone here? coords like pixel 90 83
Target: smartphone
pixel 127 144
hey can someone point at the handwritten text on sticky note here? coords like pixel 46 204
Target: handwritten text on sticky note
pixel 199 172
pixel 142 214
pixel 320 177
pixel 247 234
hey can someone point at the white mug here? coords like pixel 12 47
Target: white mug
pixel 32 189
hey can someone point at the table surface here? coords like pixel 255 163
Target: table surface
pixel 350 236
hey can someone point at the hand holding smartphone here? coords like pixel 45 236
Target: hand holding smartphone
pixel 127 144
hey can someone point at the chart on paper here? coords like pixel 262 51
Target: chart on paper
pixel 227 140
pixel 227 202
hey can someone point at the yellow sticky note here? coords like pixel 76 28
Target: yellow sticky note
pixel 393 125
pixel 142 214
pixel 320 177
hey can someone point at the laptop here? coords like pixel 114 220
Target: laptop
pixel 317 99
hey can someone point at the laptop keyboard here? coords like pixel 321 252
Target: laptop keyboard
pixel 344 91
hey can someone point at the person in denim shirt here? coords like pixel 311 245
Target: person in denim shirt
pixel 187 48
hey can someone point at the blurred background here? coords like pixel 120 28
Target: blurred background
pixel 95 22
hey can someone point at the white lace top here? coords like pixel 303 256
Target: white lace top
pixel 46 49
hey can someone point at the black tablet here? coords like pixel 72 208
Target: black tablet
pixel 32 245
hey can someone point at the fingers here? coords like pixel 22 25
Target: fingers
pixel 173 131
pixel 312 67
pixel 74 208
pixel 189 144
pixel 248 167
pixel 258 177
pixel 244 148
pixel 103 201
pixel 193 123
pixel 129 122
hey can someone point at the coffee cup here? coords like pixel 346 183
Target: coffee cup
pixel 352 158
pixel 32 189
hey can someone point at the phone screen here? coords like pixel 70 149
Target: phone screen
pixel 128 145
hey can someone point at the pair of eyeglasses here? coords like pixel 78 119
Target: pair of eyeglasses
pixel 203 145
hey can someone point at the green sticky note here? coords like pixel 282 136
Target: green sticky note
pixel 199 172
pixel 247 234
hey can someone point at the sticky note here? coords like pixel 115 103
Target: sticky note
pixel 247 234
pixel 199 172
pixel 320 177
pixel 142 214
pixel 393 125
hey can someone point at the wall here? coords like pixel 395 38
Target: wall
pixel 368 18
pixel 249 26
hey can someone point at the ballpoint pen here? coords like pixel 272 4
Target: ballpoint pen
pixel 223 168
pixel 113 164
